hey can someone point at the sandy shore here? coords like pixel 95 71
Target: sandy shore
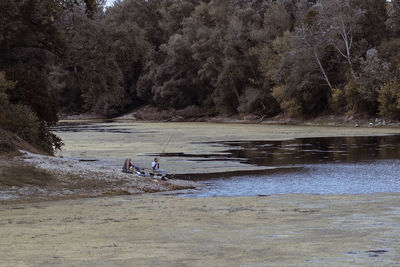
pixel 153 230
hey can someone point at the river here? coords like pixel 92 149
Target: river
pixel 247 159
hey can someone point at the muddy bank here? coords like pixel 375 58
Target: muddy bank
pixel 151 230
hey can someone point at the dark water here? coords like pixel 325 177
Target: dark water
pixel 340 165
pixel 305 151
pixel 84 127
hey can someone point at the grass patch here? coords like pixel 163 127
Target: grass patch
pixel 12 176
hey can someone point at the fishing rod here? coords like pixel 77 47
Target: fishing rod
pixel 163 173
pixel 165 146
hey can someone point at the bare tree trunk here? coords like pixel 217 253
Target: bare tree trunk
pixel 236 92
pixel 311 43
pixel 322 68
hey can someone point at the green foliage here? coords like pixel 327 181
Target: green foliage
pixel 394 17
pixel 363 93
pixel 277 20
pixel 389 100
pixel 389 50
pixel 258 102
pixel 289 105
pixel 32 89
pixel 93 73
pixel 361 98
pixel 374 22
pixel 311 17
pixel 5 86
pixel 338 101
pixel 21 119
pixel 352 91
pixel 30 46
pixel 303 58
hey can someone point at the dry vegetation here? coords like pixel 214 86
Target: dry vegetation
pixel 23 175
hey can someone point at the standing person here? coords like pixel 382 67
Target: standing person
pixel 156 167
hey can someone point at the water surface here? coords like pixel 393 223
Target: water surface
pixel 220 157
pixel 339 165
pixel 356 178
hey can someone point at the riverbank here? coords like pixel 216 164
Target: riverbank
pixel 90 163
pixel 152 114
pixel 30 177
pixel 154 230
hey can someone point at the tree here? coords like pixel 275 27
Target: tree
pixel 374 72
pixel 21 120
pixel 390 52
pixel 277 20
pixel 31 46
pixel 373 24
pixel 393 21
pixel 312 37
pixel 389 100
pixel 93 74
pixel 339 21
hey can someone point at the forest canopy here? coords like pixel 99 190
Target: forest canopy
pixel 202 57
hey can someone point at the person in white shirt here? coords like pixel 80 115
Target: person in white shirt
pixel 156 168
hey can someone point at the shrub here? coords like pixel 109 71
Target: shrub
pixel 258 102
pixel 251 101
pixel 289 105
pixel 6 147
pixel 338 101
pixel 354 101
pixel 389 100
pixel 4 102
pixel 292 107
pixel 21 120
pixel 47 140
pixel 390 51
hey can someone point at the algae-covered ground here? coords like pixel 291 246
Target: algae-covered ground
pixel 154 230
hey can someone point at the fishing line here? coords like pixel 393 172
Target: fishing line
pixel 165 146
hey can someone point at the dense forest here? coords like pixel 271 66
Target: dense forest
pixel 302 58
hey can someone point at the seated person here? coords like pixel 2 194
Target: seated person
pixel 156 167
pixel 129 166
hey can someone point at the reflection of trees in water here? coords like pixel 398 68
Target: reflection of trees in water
pixel 316 150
